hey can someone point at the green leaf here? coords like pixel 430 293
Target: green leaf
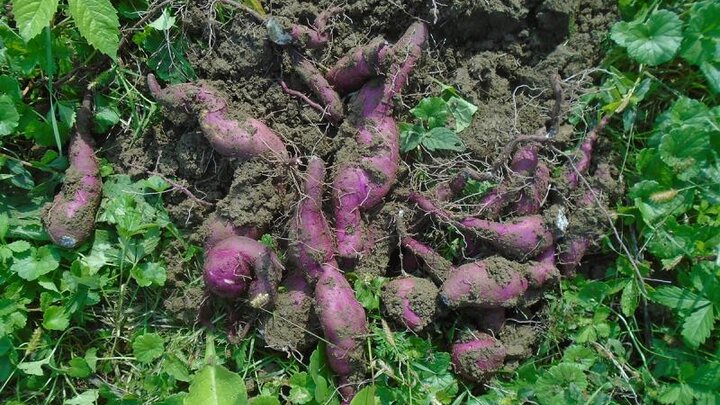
pixel 55 318
pixel 685 150
pixel 701 38
pixel 176 368
pixel 78 368
pixel 36 263
pixel 264 400
pixel 712 74
pixel 9 117
pixel 19 246
pixel 148 347
pixel 88 397
pixel 33 367
pixel 656 202
pixel 164 22
pixel 98 23
pixel 699 325
pixel 365 396
pixel 11 87
pixel 442 138
pixel 216 385
pixel 651 42
pixel 630 298
pixel 32 16
pixel 463 111
pixel 434 110
pixel 147 274
pixel 678 298
pixel 410 136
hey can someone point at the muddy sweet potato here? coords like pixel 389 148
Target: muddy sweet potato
pixel 581 158
pixel 238 265
pixel 489 283
pixel 477 356
pixel 344 324
pixel 411 302
pixel 293 325
pixel 311 240
pixel 70 219
pixel 243 138
pixel 362 63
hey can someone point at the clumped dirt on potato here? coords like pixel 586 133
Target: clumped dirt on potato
pixel 499 55
pixel 422 300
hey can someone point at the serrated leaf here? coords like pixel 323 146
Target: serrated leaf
pixel 148 347
pixel 146 274
pixel 410 136
pixel 176 368
pixel 216 385
pixel 78 368
pixel 711 70
pixel 678 298
pixel 31 16
pixel 19 246
pixel 442 138
pixel 652 42
pixel 98 23
pixel 9 116
pixel 35 263
pixel 701 38
pixel 699 325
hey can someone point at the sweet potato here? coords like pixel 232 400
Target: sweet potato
pixel 580 160
pixel 316 36
pixel 311 241
pixel 477 356
pixel 70 219
pixel 293 325
pixel 362 63
pixel 330 101
pixel 243 138
pixel 343 321
pixel 433 264
pixel 219 229
pixel 237 265
pixel 490 283
pixel 411 302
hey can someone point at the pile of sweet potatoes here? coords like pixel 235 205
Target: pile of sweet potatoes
pixel 522 236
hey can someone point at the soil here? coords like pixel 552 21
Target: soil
pixel 498 54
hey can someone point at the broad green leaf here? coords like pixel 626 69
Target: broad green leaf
pixel 55 318
pixel 433 110
pixel 106 116
pixel 365 396
pixel 699 325
pixel 216 385
pixel 711 70
pixel 9 116
pixel 701 39
pixel 655 202
pixel 174 399
pixel 98 23
pixel 463 111
pixel 36 262
pixel 33 367
pixel 19 246
pixel 148 347
pixel 685 150
pixel 176 368
pixel 91 358
pixel 147 274
pixel 78 368
pixel 410 136
pixel 651 42
pixel 164 22
pixel 88 397
pixel 676 394
pixel 442 138
pixel 11 87
pixel 32 16
pixel 678 298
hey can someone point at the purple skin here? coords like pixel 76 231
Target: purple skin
pixel 472 285
pixel 519 238
pixel 570 257
pixel 403 288
pixel 309 230
pixel 477 358
pixel 583 155
pixel 70 219
pixel 319 86
pixel 239 264
pixel 433 264
pixel 544 270
pixel 242 139
pixel 316 36
pixel 220 229
pixel 493 203
pixel 356 68
pixel 344 324
pixel 448 190
pixel 531 197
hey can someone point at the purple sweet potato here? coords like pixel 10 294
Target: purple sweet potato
pixel 531 197
pixel 580 161
pixel 362 63
pixel 542 269
pixel 311 240
pixel 293 325
pixel 237 265
pixel 330 101
pixel 433 264
pixel 489 283
pixel 70 218
pixel 316 36
pixel 343 321
pixel 411 302
pixel 575 246
pixel 477 356
pixel 243 138
pixel 219 229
